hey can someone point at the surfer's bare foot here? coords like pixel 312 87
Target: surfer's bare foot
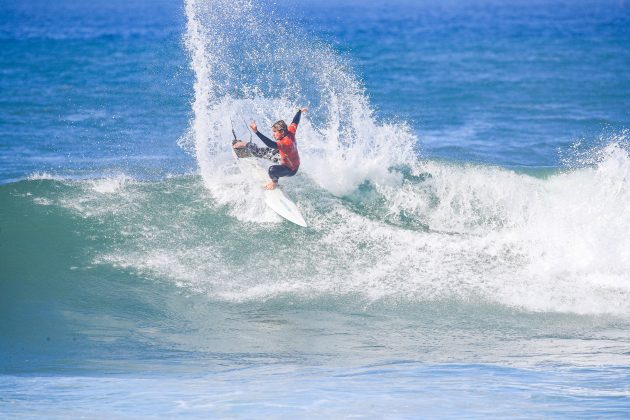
pixel 239 145
pixel 271 185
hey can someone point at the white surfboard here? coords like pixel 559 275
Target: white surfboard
pixel 275 199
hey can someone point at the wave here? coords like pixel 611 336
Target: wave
pixel 385 226
pixel 552 243
pixel 385 223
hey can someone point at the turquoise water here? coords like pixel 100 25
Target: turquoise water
pixel 464 177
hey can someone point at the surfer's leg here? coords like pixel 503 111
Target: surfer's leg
pixel 276 172
pixel 264 152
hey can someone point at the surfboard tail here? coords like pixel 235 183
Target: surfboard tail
pixel 278 202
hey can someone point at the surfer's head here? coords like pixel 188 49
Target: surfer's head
pixel 279 129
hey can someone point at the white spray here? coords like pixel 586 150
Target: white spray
pixel 559 243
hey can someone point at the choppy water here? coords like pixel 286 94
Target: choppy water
pixel 465 178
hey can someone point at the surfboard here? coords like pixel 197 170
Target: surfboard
pixel 275 199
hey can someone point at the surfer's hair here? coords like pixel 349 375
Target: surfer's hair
pixel 279 126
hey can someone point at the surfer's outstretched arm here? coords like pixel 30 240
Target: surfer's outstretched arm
pixel 270 143
pixel 267 140
pixel 296 120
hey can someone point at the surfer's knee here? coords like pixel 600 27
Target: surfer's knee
pixel 277 171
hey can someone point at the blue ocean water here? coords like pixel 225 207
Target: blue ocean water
pixel 465 178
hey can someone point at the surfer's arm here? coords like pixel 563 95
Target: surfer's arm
pixel 296 119
pixel 267 140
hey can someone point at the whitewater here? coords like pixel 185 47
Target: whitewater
pixel 401 226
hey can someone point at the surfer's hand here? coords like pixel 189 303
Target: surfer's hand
pixel 303 109
pixel 239 145
pixel 253 126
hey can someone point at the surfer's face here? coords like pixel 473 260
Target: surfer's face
pixel 278 134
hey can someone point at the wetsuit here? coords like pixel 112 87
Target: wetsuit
pixel 284 150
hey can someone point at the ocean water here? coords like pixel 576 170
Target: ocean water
pixel 465 176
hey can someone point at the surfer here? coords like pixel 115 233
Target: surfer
pixel 284 148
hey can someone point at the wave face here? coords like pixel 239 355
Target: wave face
pixel 461 233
